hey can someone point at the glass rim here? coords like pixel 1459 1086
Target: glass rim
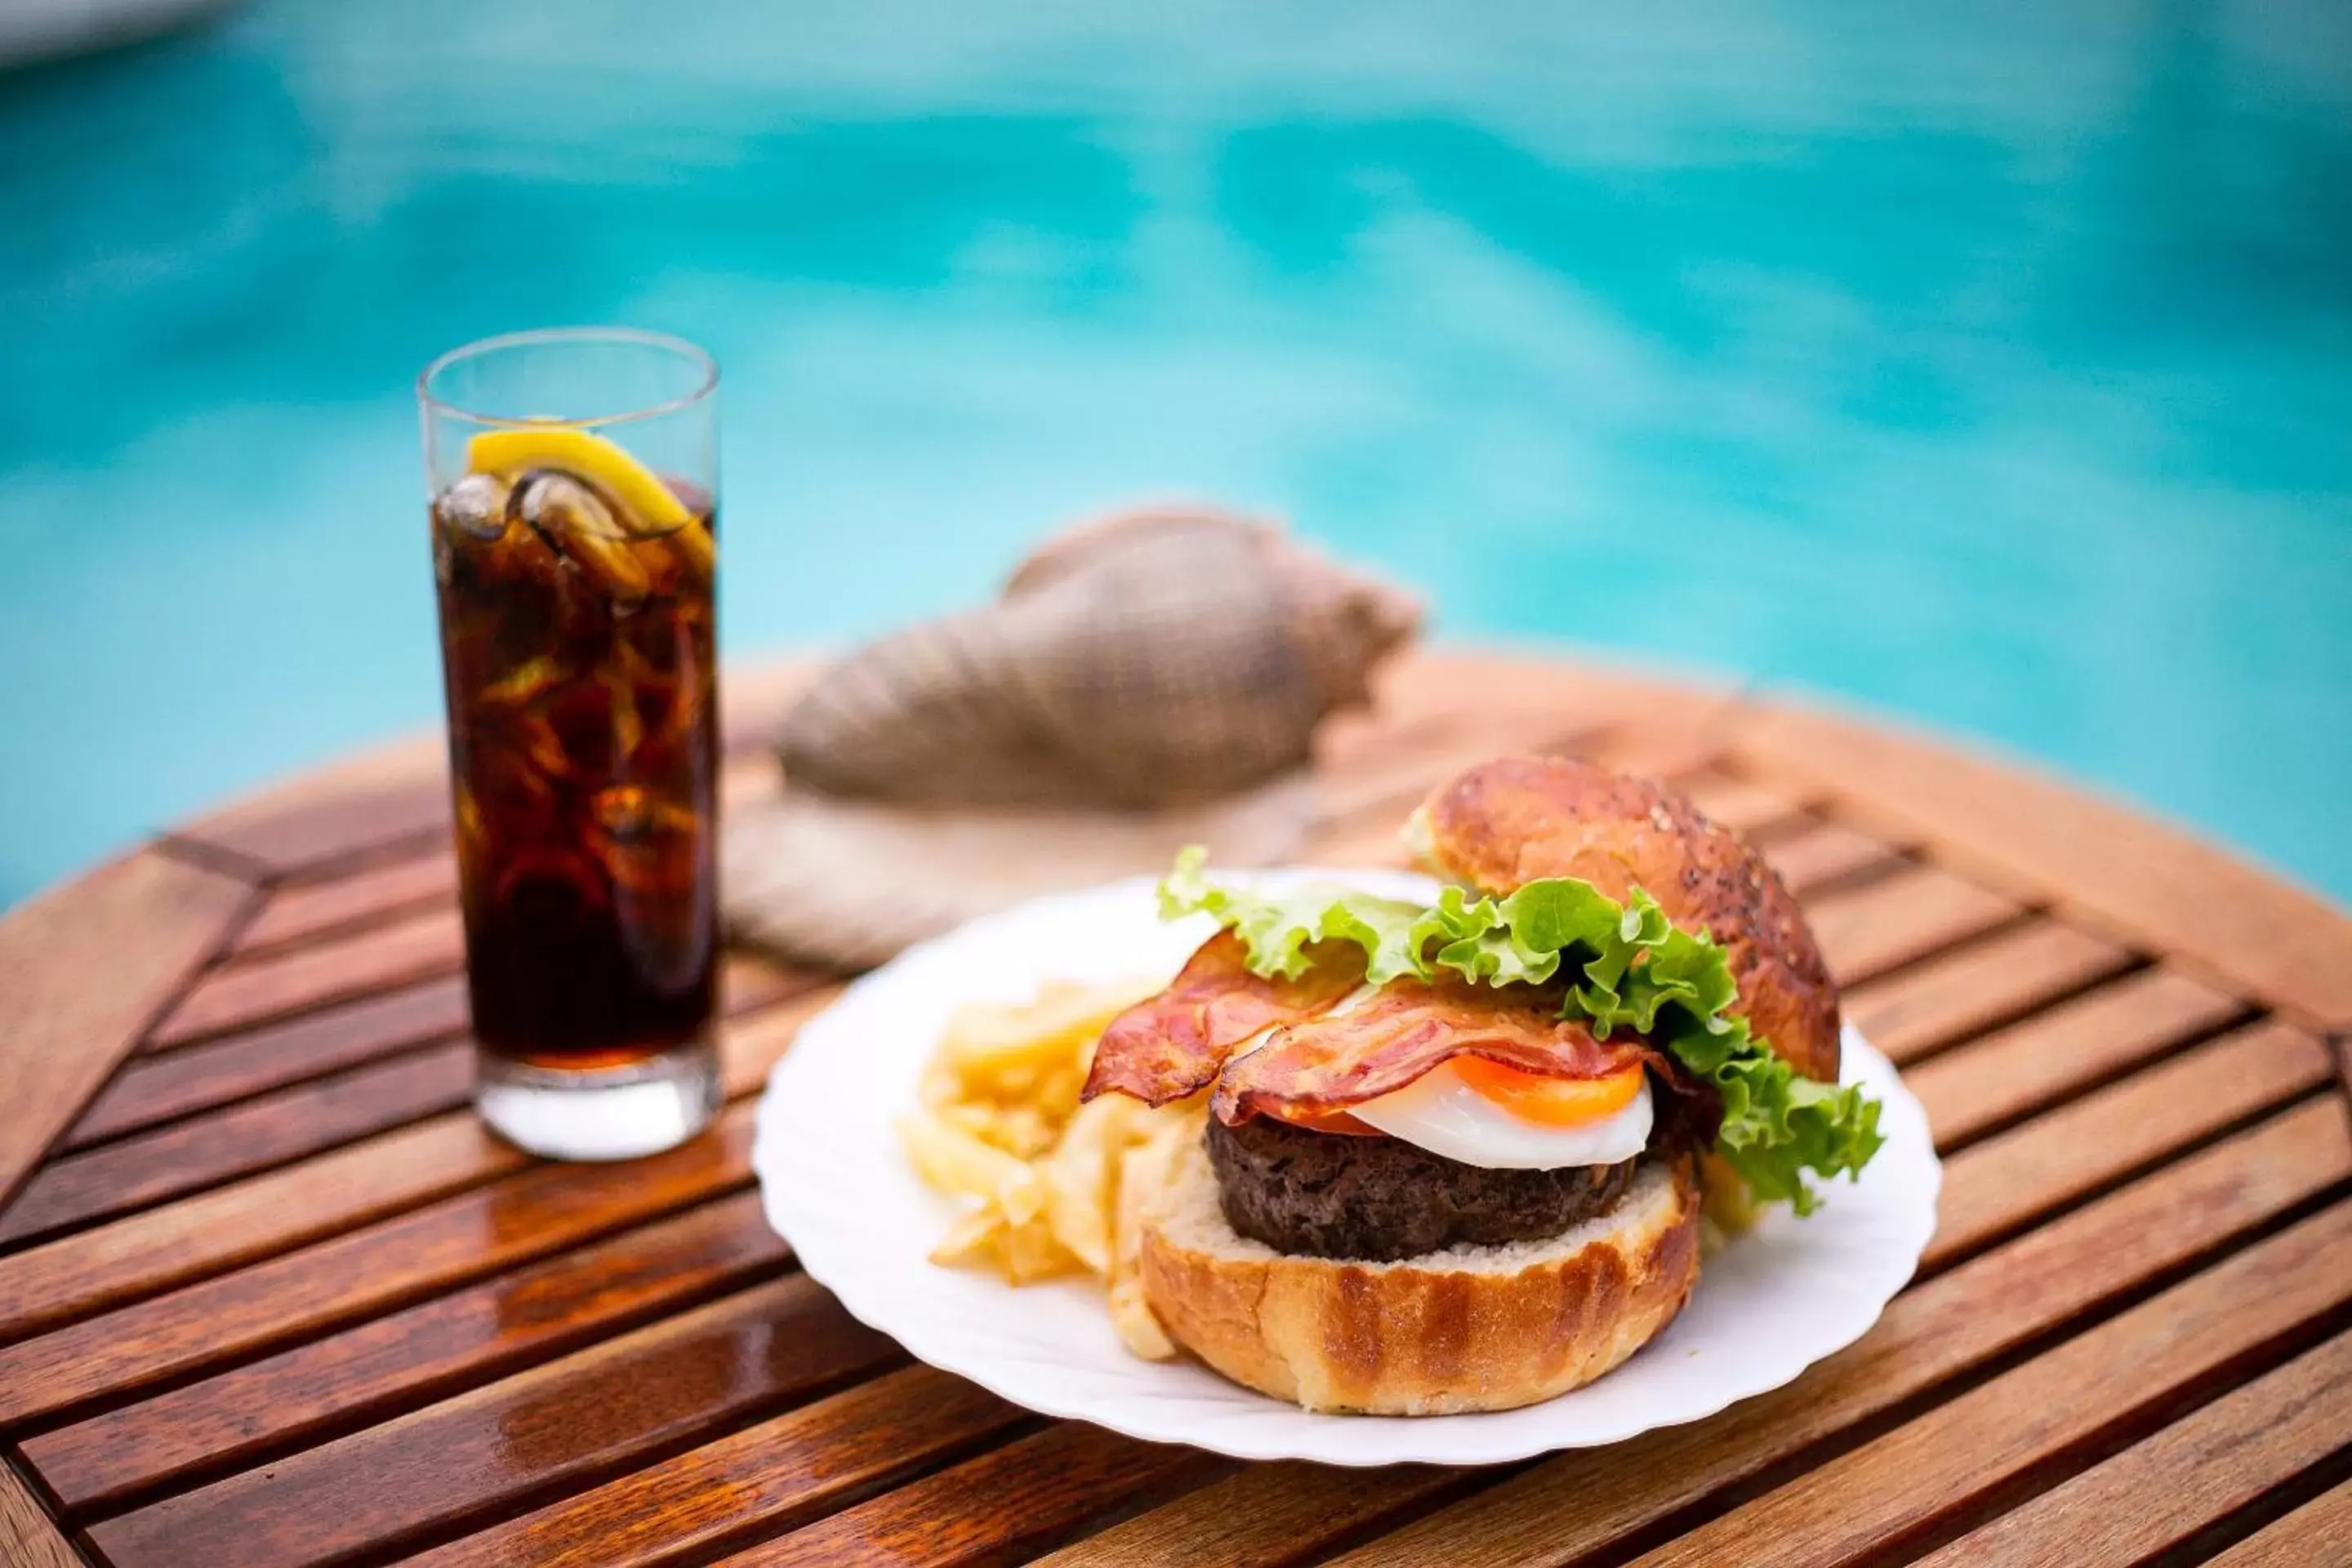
pixel 640 337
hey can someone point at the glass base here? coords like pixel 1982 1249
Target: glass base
pixel 605 1114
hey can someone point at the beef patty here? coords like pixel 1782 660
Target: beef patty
pixel 1332 1194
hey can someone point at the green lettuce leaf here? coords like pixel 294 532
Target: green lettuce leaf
pixel 1627 965
pixel 1276 931
pixel 1776 1125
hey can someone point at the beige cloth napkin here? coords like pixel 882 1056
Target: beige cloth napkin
pixel 850 883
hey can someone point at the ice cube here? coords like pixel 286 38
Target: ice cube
pixel 575 521
pixel 474 508
pixel 625 812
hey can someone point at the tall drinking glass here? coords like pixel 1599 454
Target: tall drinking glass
pixel 572 476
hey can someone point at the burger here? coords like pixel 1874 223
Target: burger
pixel 1456 1154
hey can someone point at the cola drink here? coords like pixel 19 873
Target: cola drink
pixel 578 652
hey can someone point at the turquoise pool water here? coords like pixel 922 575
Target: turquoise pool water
pixel 1995 370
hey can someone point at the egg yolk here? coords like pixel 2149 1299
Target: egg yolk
pixel 1550 1101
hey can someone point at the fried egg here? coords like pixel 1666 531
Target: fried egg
pixel 1441 1112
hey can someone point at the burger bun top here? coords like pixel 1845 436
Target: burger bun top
pixel 1516 820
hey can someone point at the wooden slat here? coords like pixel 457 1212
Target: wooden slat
pixel 83 967
pixel 1658 749
pixel 304 912
pixel 1000 1506
pixel 1820 853
pixel 161 1086
pixel 1977 987
pixel 149 1167
pixel 393 1363
pixel 1383 785
pixel 271 1129
pixel 1894 1488
pixel 1610 716
pixel 1443 683
pixel 236 1224
pixel 766 1478
pixel 386 795
pixel 2177 894
pixel 2031 1066
pixel 1352 742
pixel 1379 790
pixel 1994 1186
pixel 1576 1504
pixel 2306 1536
pixel 204 1235
pixel 1373 776
pixel 528 1214
pixel 28 1537
pixel 1376 844
pixel 2156 1496
pixel 1867 930
pixel 158 1087
pixel 1264 1515
pixel 749 1049
pixel 571 1422
pixel 1743 806
pixel 247 994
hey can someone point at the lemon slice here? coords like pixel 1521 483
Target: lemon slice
pixel 605 463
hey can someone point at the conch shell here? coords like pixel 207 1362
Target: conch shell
pixel 1154 658
pixel 1145 682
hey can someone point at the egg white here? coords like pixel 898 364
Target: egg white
pixel 1443 1114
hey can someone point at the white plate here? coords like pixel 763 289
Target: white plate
pixel 835 1185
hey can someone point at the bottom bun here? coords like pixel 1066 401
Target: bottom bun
pixel 1471 1328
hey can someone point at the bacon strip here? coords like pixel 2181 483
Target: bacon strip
pixel 1174 1044
pixel 1327 1064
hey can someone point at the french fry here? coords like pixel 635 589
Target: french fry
pixel 995 1040
pixel 1062 1187
pixel 1078 1176
pixel 941 1085
pixel 1138 1326
pixel 987 1043
pixel 1057 1092
pixel 1725 1197
pixel 1025 1130
pixel 954 1161
pixel 1143 1171
pixel 1031 1252
pixel 972 1239
pixel 975 1116
pixel 1154 1123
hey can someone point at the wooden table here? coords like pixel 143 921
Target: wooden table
pixel 268 1295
